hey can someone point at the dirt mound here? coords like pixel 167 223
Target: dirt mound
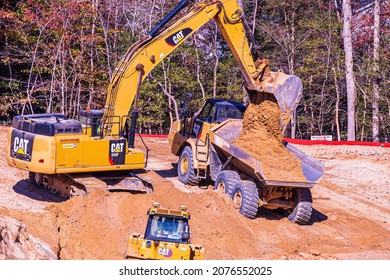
pixel 17 244
pixel 97 226
pixel 262 138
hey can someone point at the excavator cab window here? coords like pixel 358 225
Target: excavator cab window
pixel 90 120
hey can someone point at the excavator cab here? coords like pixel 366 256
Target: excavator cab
pixel 91 121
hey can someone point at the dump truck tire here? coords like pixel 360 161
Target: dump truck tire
pixel 246 197
pixel 303 208
pixel 185 168
pixel 226 180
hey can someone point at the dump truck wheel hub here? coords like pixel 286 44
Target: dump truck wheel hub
pixel 184 165
pixel 237 199
pixel 221 187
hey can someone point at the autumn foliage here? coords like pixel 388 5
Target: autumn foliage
pixel 58 56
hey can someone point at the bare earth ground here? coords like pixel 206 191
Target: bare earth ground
pixel 351 211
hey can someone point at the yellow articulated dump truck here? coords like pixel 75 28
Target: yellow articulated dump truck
pixel 252 172
pixel 167 237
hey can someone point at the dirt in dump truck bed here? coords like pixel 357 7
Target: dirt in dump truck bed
pixel 262 138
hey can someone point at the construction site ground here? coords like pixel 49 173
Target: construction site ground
pixel 350 220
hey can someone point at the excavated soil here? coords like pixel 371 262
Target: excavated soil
pixel 261 137
pixel 351 211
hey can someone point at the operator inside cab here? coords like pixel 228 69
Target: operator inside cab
pixel 164 228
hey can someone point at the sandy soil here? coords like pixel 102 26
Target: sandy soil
pixel 262 138
pixel 351 211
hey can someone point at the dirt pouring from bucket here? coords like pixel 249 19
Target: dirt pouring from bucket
pixel 262 138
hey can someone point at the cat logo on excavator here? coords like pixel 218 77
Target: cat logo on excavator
pixel 21 145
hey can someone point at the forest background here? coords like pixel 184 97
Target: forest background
pixel 58 56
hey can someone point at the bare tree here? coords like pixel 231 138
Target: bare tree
pixel 92 66
pixel 350 75
pixel 375 107
pixel 337 105
pixel 198 72
pixel 166 88
pixel 216 59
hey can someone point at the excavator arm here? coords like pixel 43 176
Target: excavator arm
pixel 145 54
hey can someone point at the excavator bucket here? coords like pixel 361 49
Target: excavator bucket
pixel 288 91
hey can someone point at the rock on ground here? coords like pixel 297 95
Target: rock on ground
pixel 17 244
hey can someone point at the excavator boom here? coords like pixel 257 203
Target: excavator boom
pixel 145 54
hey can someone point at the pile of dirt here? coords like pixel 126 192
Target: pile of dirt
pixel 97 226
pixel 17 244
pixel 261 137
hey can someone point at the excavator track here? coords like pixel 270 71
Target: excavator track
pixel 70 185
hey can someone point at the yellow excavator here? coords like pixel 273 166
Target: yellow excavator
pixel 97 150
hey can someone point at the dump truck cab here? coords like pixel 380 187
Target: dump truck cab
pixel 216 111
pixel 167 237
pixel 219 110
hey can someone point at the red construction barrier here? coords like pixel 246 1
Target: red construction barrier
pixel 335 143
pixel 154 135
pixel 304 142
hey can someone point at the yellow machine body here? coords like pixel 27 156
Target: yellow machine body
pixel 167 237
pixel 71 152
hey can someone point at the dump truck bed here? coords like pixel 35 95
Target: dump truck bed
pixel 227 132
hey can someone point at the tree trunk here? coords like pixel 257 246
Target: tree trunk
pixel 254 16
pixel 151 14
pixel 362 132
pixel 375 107
pixel 337 106
pixel 92 66
pixel 170 96
pixel 198 74
pixel 167 92
pixel 105 29
pixel 292 66
pixel 216 60
pixel 350 76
